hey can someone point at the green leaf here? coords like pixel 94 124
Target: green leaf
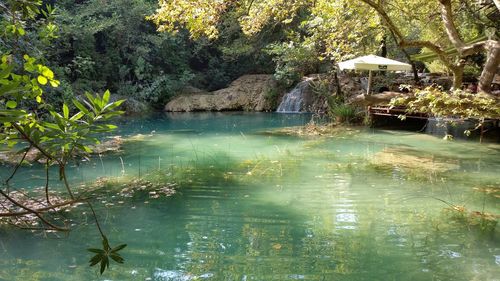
pixel 105 97
pixel 104 263
pixel 42 80
pixel 93 102
pixel 118 248
pixel 77 116
pixel 105 243
pixel 97 251
pixel 11 104
pixel 80 106
pixel 48 73
pixel 86 148
pixel 65 111
pixel 51 126
pixel 55 83
pixel 95 260
pixel 113 105
pixel 117 258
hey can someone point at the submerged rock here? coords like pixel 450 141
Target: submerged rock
pixel 112 145
pixel 313 129
pixel 408 160
pixel 13 158
pixel 246 93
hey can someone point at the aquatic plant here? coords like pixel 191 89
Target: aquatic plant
pixel 486 222
pixel 343 113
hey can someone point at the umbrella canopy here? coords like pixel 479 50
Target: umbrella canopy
pixel 374 63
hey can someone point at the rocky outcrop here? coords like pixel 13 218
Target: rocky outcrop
pixel 248 93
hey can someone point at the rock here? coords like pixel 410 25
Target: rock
pixel 246 93
pixel 189 90
pixel 112 145
pixel 13 158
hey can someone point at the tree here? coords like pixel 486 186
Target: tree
pixel 203 20
pixel 454 63
pixel 29 123
pixel 323 22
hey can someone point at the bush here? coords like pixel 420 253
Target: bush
pixel 343 113
pixel 458 104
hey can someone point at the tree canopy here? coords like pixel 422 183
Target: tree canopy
pixel 349 27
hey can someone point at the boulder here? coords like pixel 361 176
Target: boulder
pixel 246 93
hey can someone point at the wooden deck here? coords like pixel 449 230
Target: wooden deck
pixel 380 110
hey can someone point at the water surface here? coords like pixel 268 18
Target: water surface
pixel 255 206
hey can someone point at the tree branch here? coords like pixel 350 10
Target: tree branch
pixel 41 210
pixel 32 211
pixel 18 165
pixel 449 24
pixel 33 143
pixel 409 43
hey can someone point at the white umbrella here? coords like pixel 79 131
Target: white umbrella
pixel 373 63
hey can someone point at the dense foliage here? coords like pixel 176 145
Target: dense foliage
pixel 454 106
pixel 31 124
pixel 111 45
pixel 339 28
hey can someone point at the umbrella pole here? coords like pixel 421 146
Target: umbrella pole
pixel 369 87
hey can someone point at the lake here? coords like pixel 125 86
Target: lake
pixel 361 204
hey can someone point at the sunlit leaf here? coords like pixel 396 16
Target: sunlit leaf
pixel 11 104
pixel 65 111
pixel 42 80
pixel 105 97
pixel 55 83
pixel 48 73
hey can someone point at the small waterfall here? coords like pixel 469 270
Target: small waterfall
pixel 293 101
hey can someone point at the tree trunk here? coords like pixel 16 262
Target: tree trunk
pixel 458 77
pixel 383 47
pixel 490 67
pixel 408 57
pixel 449 24
pixel 337 82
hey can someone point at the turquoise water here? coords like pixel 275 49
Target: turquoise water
pixel 258 206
